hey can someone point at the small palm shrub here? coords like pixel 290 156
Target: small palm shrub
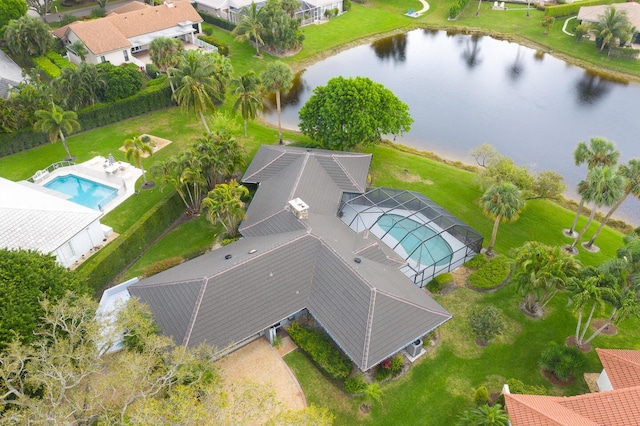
pixel 562 361
pixel 355 384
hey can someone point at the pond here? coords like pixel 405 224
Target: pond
pixel 465 90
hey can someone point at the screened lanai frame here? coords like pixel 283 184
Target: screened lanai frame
pixel 427 226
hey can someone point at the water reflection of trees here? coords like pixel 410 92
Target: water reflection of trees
pixel 394 47
pixel 292 97
pixel 591 88
pixel 471 53
pixel 516 69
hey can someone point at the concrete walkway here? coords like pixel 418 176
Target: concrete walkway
pixel 425 8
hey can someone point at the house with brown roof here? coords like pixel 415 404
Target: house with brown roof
pixel 129 30
pixel 617 403
pixel 592 14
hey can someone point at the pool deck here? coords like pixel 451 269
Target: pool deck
pixel 119 175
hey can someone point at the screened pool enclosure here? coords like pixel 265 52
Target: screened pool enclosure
pixel 426 236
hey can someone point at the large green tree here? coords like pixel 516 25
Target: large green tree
pixel 221 156
pixel 250 26
pixel 122 81
pixel 200 80
pixel 28 37
pixel 599 152
pixel 503 203
pixel 348 112
pixel 631 174
pixel 166 53
pixel 56 122
pixel 281 31
pixel 277 78
pixel 80 87
pixel 26 277
pixel 249 102
pixel 10 10
pixel 613 27
pixel 224 205
pixel 539 272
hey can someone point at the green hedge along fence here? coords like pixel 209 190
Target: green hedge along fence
pixel 574 8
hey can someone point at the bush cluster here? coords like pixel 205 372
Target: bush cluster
pixel 49 69
pixel 59 60
pixel 218 22
pixel 624 53
pixel 437 284
pixel 562 361
pixel 517 386
pixel 491 274
pixel 329 359
pixel 481 396
pixel 355 384
pixel 223 49
pixel 389 367
pixel 574 8
pixel 477 261
pixel 457 7
pixel 486 323
pixel 103 266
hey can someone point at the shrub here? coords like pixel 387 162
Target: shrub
pixel 49 68
pixel 481 396
pixel 477 261
pixel 517 386
pixel 123 81
pixel 437 284
pixel 67 19
pixel 580 31
pixel 457 7
pixel 329 359
pixel 223 49
pixel 346 5
pixel 59 60
pixel 152 71
pixel 486 323
pixel 355 384
pixel 227 241
pixel 162 265
pixel 218 22
pixel 562 361
pixel 97 13
pixel 624 53
pixel 491 274
pixel 397 362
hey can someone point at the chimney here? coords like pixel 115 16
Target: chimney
pixel 299 208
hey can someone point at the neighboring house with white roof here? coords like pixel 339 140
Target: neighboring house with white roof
pixel 10 74
pixel 617 403
pixel 130 29
pixel 592 14
pixel 296 257
pixel 310 10
pixel 32 218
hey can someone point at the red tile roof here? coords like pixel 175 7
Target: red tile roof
pixel 622 366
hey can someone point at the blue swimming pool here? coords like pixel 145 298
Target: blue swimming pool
pixel 83 191
pixel 422 244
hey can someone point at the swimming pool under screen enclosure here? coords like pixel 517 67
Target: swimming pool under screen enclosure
pixel 429 238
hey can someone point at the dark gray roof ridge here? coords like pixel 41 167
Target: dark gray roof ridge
pixel 369 332
pixel 269 217
pixel 194 313
pixel 355 183
pixel 247 178
pixel 294 187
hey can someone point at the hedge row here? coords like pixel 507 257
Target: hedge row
pixel 574 8
pixel 50 69
pixel 60 61
pixel 101 268
pixel 321 350
pixel 155 96
pixel 457 7
pixel 223 49
pixel 218 22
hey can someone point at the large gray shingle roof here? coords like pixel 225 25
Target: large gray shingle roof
pixel 284 265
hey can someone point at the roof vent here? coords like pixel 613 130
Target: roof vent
pixel 299 208
pixel 227 257
pixel 357 260
pixel 252 251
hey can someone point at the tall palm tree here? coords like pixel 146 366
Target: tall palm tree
pixel 278 78
pixel 195 84
pixel 599 152
pixel 135 148
pixel 221 157
pixel 503 203
pixel 251 27
pixel 606 187
pixel 613 25
pixel 56 122
pixel 166 53
pixel 247 87
pixel 631 175
pixel 224 205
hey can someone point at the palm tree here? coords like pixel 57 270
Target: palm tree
pixel 613 25
pixel 195 84
pixel 221 157
pixel 593 287
pixel 502 202
pixel 278 78
pixel 166 53
pixel 249 101
pixel 28 37
pixel 56 122
pixel 250 27
pixel 605 188
pixel 79 49
pixel 539 272
pixel 599 152
pixel 484 416
pixel 135 148
pixel 631 175
pixel 224 205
